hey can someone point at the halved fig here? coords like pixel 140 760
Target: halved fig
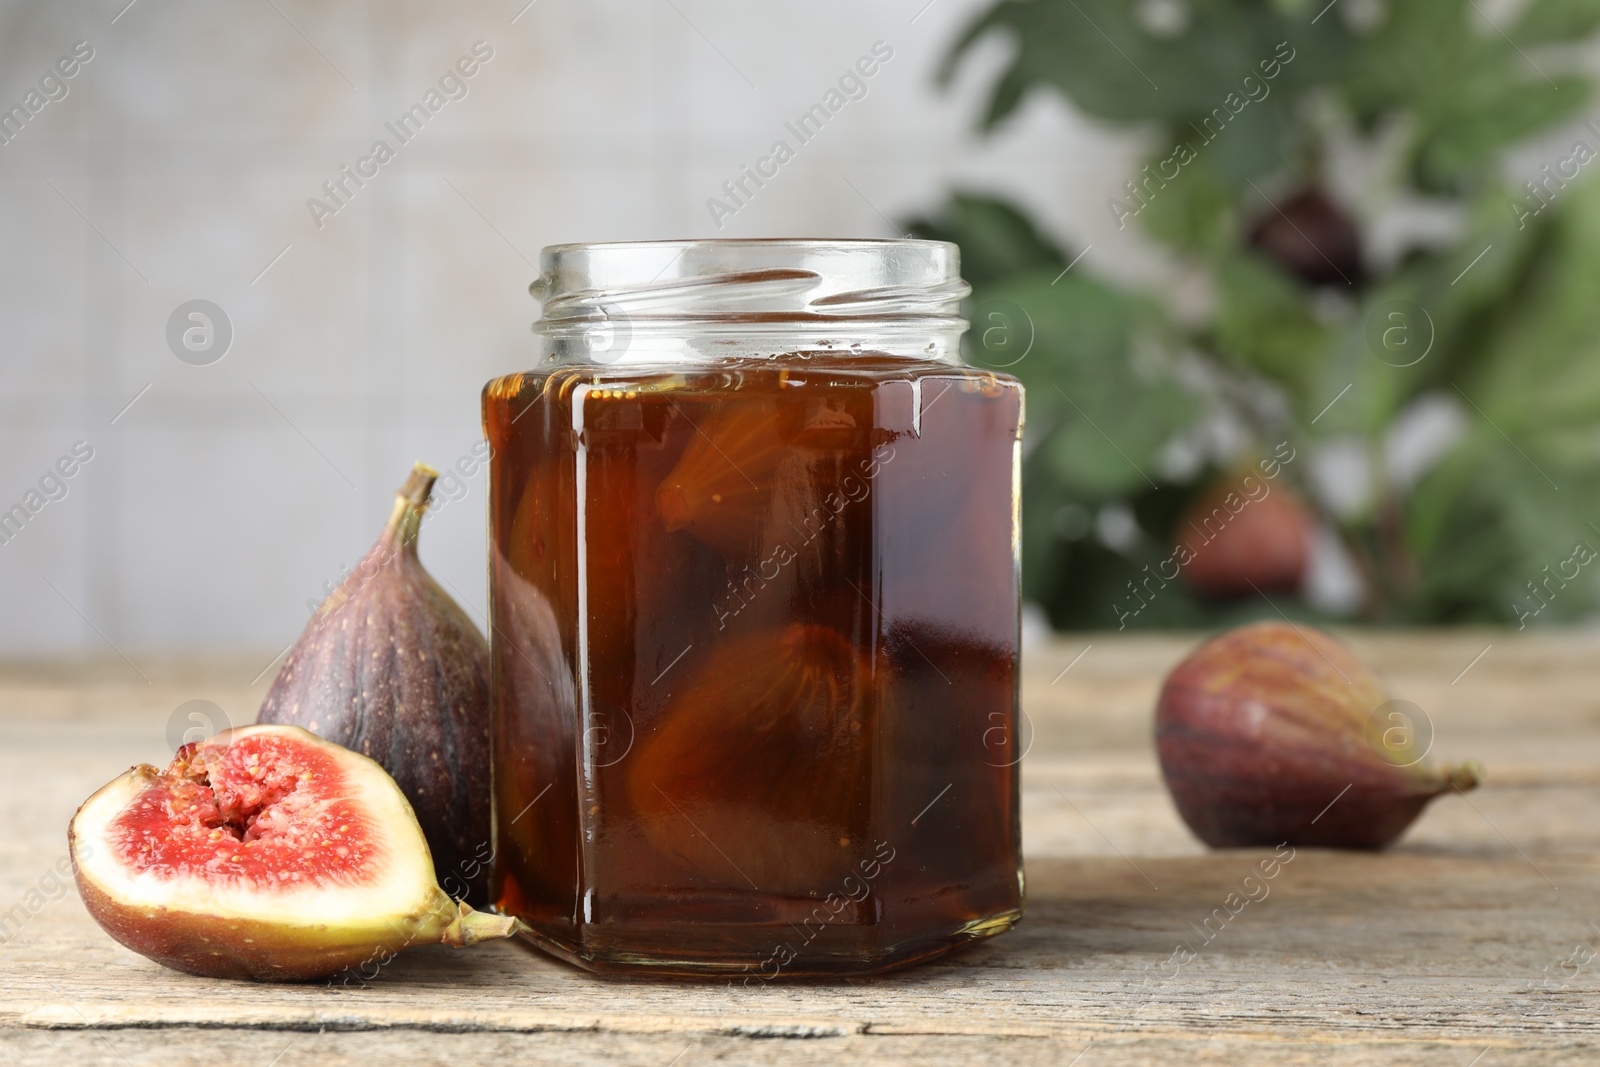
pixel 268 853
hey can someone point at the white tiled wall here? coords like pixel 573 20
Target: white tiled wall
pixel 178 167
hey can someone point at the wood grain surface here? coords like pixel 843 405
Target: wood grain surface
pixel 1475 941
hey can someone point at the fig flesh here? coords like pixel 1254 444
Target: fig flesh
pixel 1277 733
pixel 267 853
pixel 392 667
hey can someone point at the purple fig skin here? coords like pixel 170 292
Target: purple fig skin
pixel 391 667
pixel 1260 729
pixel 1311 237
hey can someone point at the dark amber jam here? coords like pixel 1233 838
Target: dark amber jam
pixel 755 654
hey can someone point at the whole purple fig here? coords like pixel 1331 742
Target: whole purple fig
pixel 1276 733
pixel 391 667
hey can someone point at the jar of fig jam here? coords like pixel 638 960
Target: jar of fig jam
pixel 753 565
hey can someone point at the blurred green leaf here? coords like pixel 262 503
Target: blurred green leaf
pixel 1469 89
pixel 1070 339
pixel 1226 83
pixel 1548 21
pixel 1540 374
pixel 1265 323
pixel 1098 53
pixel 1502 320
pixel 997 240
pixel 1195 212
pixel 1522 489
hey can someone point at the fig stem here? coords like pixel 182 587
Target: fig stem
pixel 470 927
pixel 410 501
pixel 419 485
pixel 1463 777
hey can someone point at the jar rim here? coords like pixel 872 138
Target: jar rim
pixel 796 241
pixel 898 280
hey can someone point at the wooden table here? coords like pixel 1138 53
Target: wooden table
pixel 1455 948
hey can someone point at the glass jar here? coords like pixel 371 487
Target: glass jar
pixel 754 592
